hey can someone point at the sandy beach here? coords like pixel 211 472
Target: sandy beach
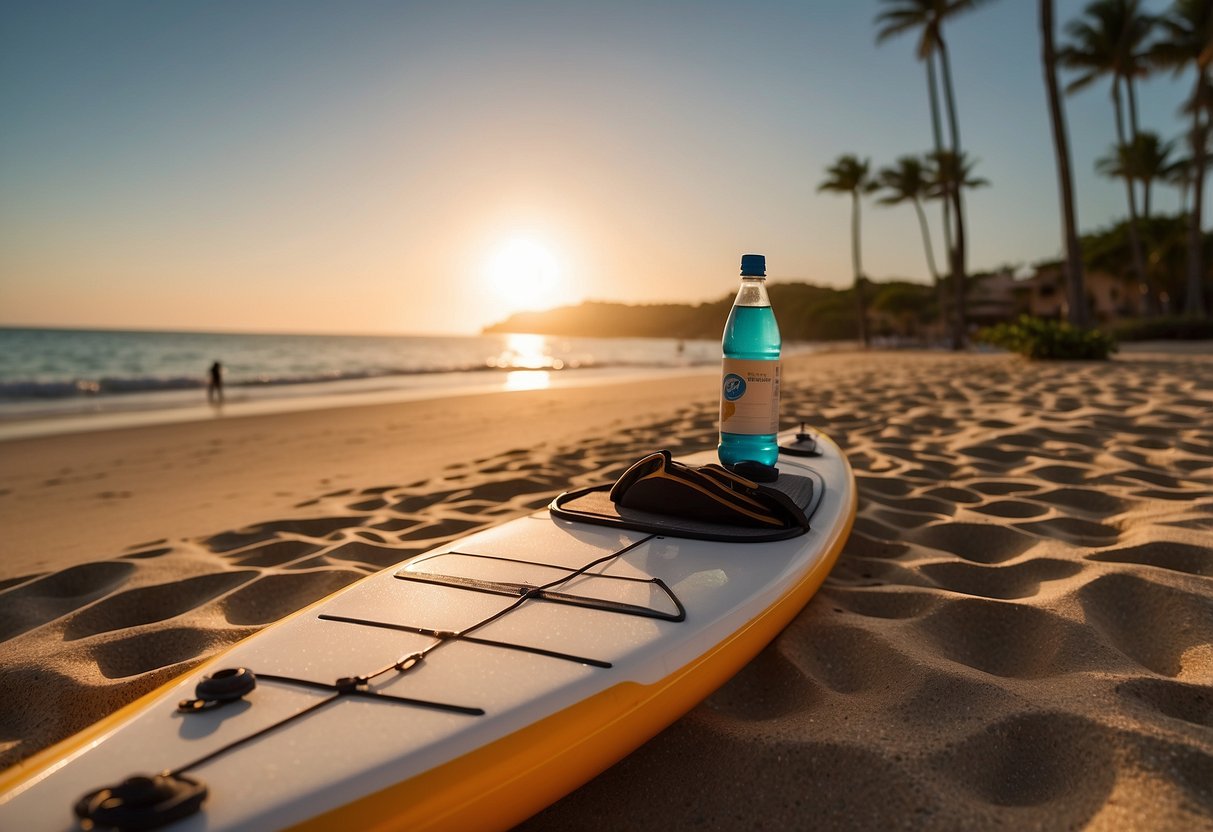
pixel 1018 634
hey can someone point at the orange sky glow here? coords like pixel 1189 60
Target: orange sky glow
pixel 311 167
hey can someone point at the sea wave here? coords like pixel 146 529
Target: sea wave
pixel 94 370
pixel 36 389
pixel 31 389
pixel 27 389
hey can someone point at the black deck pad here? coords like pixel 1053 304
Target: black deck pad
pixel 593 505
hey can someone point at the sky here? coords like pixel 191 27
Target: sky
pixel 423 168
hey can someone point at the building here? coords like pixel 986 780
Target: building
pixel 992 298
pixel 1109 297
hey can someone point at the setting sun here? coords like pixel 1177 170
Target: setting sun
pixel 524 274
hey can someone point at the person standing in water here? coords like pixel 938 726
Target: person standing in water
pixel 214 387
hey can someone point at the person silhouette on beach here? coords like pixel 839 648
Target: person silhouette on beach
pixel 214 387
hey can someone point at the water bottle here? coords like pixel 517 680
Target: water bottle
pixel 749 394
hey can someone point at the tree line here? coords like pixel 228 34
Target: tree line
pixel 805 313
pixel 1114 40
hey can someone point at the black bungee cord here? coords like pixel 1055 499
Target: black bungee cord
pixel 147 802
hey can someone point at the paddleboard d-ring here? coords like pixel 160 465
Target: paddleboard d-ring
pixel 142 802
pixel 804 444
pixel 219 688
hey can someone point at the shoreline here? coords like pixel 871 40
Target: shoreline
pixel 123 484
pixel 164 474
pixel 139 410
pixel 24 419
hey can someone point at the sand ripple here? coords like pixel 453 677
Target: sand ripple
pixel 1017 635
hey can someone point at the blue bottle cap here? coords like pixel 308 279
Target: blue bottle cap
pixel 753 265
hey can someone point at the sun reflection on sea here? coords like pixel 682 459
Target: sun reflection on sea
pixel 529 361
pixel 526 352
pixel 528 380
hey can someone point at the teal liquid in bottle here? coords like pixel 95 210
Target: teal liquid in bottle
pixel 749 395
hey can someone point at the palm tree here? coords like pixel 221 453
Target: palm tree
pixel 1076 290
pixel 899 17
pixel 953 173
pixel 1146 160
pixel 1188 41
pixel 851 175
pixel 909 180
pixel 1143 162
pixel 951 170
pixel 1181 173
pixel 1110 40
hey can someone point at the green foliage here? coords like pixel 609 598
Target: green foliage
pixel 849 175
pixel 1038 338
pixel 1165 238
pixel 904 308
pixel 1164 329
pixel 805 313
pixel 901 297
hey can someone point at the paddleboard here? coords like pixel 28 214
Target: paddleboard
pixel 465 688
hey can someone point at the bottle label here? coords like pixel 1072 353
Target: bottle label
pixel 749 397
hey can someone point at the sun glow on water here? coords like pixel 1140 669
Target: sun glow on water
pixel 529 359
pixel 523 351
pixel 528 380
pixel 531 352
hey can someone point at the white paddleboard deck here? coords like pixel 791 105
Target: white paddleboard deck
pixel 537 695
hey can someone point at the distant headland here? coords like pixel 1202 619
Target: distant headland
pixel 805 312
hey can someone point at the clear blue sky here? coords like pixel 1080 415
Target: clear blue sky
pixel 358 166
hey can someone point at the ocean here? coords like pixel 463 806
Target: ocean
pixel 75 372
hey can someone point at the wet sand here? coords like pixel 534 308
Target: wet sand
pixel 1018 634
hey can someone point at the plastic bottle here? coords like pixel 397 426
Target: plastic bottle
pixel 749 395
